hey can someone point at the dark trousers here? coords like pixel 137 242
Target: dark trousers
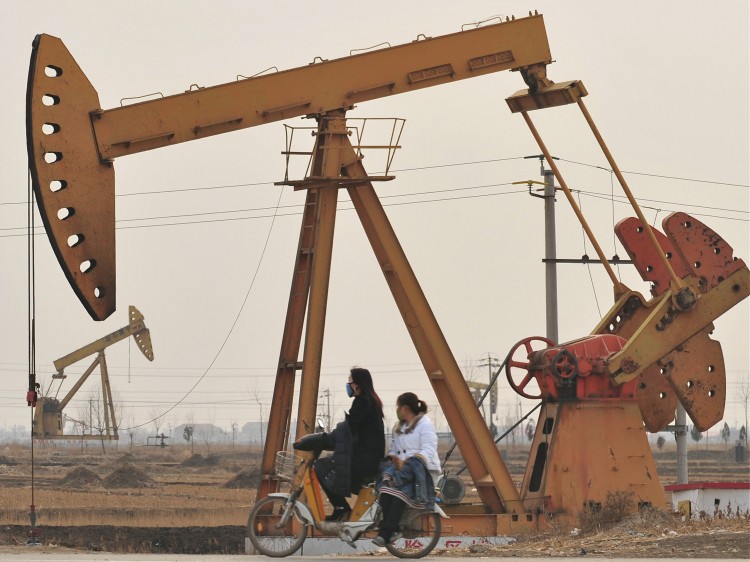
pixel 392 508
pixel 324 467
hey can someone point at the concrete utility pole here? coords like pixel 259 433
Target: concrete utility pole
pixel 550 252
pixel 550 245
pixel 327 395
pixel 680 437
pixel 491 363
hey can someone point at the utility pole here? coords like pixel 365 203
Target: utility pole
pixel 491 363
pixel 550 252
pixel 550 244
pixel 234 434
pixel 680 437
pixel 327 395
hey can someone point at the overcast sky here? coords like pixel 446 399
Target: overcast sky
pixel 206 243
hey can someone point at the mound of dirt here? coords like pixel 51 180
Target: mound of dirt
pixel 199 461
pixel 6 460
pixel 80 478
pixel 129 476
pixel 245 479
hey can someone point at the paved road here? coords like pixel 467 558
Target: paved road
pixel 49 555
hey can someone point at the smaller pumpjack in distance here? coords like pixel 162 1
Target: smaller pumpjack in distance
pixel 48 420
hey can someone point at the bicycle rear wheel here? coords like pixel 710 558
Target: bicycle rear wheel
pixel 267 535
pixel 420 532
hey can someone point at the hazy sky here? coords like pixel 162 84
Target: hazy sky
pixel 206 243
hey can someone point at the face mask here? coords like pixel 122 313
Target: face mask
pixel 349 390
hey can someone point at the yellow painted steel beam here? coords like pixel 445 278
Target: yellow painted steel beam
pixel 279 420
pixel 72 141
pixel 485 464
pixel 135 327
pixel 321 87
pixel 666 327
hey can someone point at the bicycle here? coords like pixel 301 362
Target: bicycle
pixel 279 523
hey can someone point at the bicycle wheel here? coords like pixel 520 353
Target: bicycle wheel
pixel 420 532
pixel 267 536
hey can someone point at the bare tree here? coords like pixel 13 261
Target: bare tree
pixel 187 433
pixel 155 419
pixel 129 421
pixel 696 434
pixel 530 430
pixel 207 432
pixel 725 433
pixel 255 394
pixel 91 414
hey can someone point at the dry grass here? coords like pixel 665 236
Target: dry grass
pixel 162 493
pixel 616 507
pixel 170 506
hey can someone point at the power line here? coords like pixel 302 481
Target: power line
pixel 660 176
pixel 616 198
pixel 416 168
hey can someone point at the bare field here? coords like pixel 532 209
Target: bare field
pixel 150 487
pixel 169 500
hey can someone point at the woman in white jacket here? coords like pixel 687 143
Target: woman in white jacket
pixel 412 465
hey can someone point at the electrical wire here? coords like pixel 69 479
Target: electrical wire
pixel 32 346
pixel 226 339
pixel 276 214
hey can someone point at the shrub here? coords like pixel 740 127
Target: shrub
pixel 596 516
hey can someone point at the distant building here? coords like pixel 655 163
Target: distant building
pixel 710 498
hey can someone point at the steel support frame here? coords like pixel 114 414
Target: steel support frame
pixel 335 163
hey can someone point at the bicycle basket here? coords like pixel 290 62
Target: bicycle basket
pixel 287 464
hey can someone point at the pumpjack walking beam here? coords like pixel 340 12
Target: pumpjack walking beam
pixel 72 142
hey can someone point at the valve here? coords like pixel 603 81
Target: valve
pixel 527 345
pixel 565 366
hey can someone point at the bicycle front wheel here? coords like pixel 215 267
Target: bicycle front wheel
pixel 420 532
pixel 268 535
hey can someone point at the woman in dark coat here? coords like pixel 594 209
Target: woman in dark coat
pixel 365 419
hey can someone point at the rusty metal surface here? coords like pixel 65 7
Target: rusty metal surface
pixel 666 328
pixel 592 449
pixel 706 263
pixel 657 399
pixel 633 237
pixel 705 254
pixel 76 185
pixel 489 473
pixel 279 420
pixel 697 374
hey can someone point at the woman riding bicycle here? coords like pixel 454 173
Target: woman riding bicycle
pixel 365 423
pixel 411 467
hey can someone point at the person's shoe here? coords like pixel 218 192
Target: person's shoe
pixel 379 541
pixel 339 514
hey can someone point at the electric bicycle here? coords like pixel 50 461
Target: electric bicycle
pixel 280 522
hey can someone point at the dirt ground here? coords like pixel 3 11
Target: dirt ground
pixel 635 539
pixel 173 501
pixel 639 538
